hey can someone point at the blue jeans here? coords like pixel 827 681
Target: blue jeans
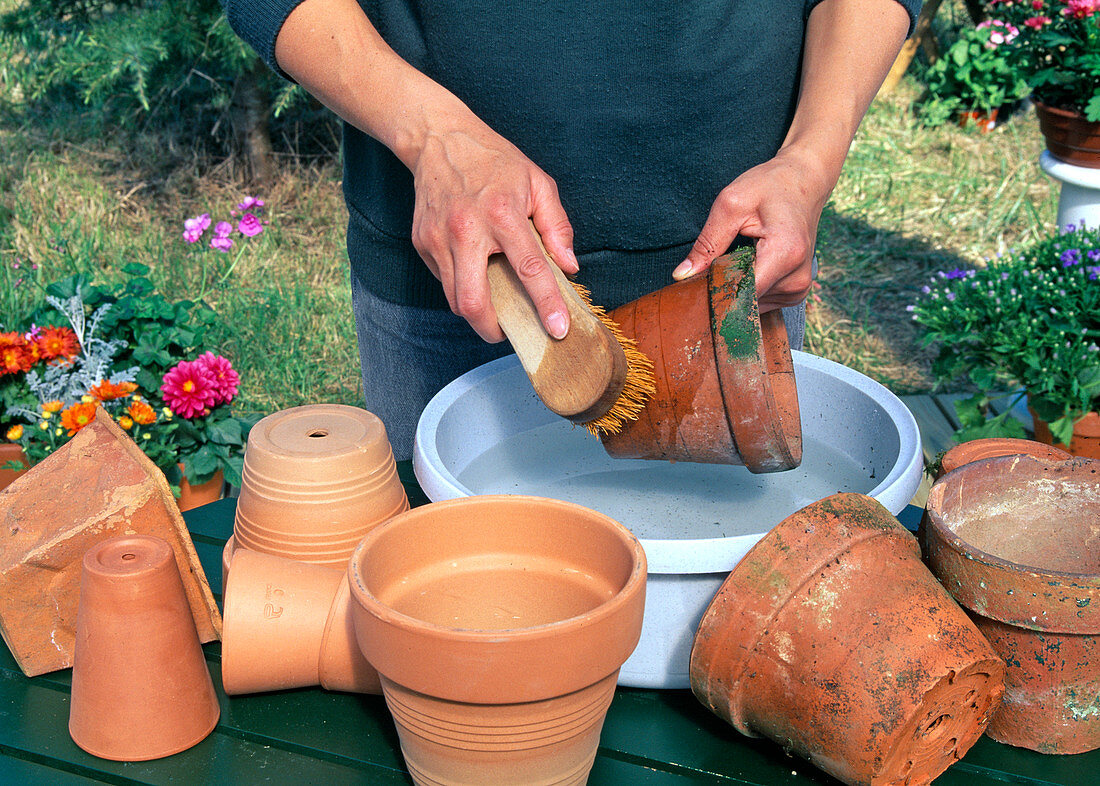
pixel 408 354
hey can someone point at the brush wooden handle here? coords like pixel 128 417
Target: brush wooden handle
pixel 580 376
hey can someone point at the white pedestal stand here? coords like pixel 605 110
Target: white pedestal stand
pixel 1079 202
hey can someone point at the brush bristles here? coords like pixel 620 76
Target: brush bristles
pixel 640 382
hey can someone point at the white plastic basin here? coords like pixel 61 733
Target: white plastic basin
pixel 488 433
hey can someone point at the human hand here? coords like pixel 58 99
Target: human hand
pixel 477 195
pixel 779 203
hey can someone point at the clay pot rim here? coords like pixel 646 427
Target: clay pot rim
pixel 775 604
pixel 971 553
pixel 1066 113
pixel 995 447
pixel 634 584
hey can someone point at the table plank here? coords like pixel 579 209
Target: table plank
pixel 935 428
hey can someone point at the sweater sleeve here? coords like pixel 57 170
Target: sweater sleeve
pixel 258 23
pixel 912 7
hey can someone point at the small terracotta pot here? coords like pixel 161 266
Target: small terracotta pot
pixel 1014 541
pixel 1085 441
pixel 832 638
pixel 315 480
pixel 498 624
pixel 202 494
pixel 978 449
pixel 1069 136
pixel 287 624
pixel 141 689
pixel 725 378
pixel 9 451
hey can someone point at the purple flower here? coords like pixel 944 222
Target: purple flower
pixel 250 203
pixel 1094 272
pixel 1094 255
pixel 926 289
pixel 956 273
pixel 33 333
pixel 221 243
pixel 250 225
pixel 194 227
pixel 223 229
pixel 950 295
pixel 1071 257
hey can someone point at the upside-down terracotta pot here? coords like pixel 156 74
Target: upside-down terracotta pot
pixel 498 625
pixel 978 449
pixel 141 689
pixel 1085 441
pixel 725 378
pixel 1015 541
pixel 831 638
pixel 315 480
pixel 287 624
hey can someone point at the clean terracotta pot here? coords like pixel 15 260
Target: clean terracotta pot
pixel 287 624
pixel 315 480
pixel 1014 541
pixel 1085 441
pixel 498 625
pixel 725 379
pixel 202 494
pixel 832 638
pixel 9 451
pixel 977 449
pixel 140 689
pixel 1069 136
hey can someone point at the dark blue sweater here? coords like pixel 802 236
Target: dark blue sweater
pixel 641 110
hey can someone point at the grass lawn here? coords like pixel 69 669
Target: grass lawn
pixel 911 201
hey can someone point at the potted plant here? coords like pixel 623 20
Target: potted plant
pixel 136 354
pixel 1058 52
pixel 974 78
pixel 1026 321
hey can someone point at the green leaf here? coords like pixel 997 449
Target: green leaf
pixel 226 432
pixel 971 411
pixel 1092 109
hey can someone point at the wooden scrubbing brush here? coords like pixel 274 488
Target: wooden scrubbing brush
pixel 595 376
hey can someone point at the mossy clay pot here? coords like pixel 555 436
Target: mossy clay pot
pixel 141 689
pixel 315 480
pixel 498 625
pixel 287 624
pixel 725 378
pixel 1016 541
pixel 833 639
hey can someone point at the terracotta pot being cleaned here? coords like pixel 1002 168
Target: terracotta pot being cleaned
pixel 316 479
pixel 832 638
pixel 1014 539
pixel 498 625
pixel 141 689
pixel 978 449
pixel 725 379
pixel 287 624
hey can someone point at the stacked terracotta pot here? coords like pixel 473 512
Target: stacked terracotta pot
pixel 316 479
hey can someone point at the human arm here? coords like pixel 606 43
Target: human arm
pixel 849 48
pixel 475 191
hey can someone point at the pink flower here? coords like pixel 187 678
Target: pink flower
pixel 250 203
pixel 225 378
pixel 250 225
pixel 1038 4
pixel 221 243
pixel 1081 9
pixel 1036 22
pixel 223 229
pixel 194 227
pixel 189 389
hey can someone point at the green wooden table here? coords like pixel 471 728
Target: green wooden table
pixel 310 736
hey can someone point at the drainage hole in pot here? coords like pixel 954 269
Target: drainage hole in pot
pixel 937 726
pixel 129 557
pixel 318 433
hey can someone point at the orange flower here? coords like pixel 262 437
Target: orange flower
pixel 58 342
pixel 78 416
pixel 125 422
pixel 15 432
pixel 108 391
pixel 142 413
pixel 52 406
pixel 14 354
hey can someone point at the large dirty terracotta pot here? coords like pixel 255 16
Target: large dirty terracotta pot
pixel 1015 540
pixel 831 638
pixel 141 688
pixel 316 479
pixel 725 379
pixel 498 625
pixel 287 624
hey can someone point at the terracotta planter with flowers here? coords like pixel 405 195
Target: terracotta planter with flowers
pixel 1069 136
pixel 1086 435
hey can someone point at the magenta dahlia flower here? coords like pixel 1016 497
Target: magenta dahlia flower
pixel 189 389
pixel 226 379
